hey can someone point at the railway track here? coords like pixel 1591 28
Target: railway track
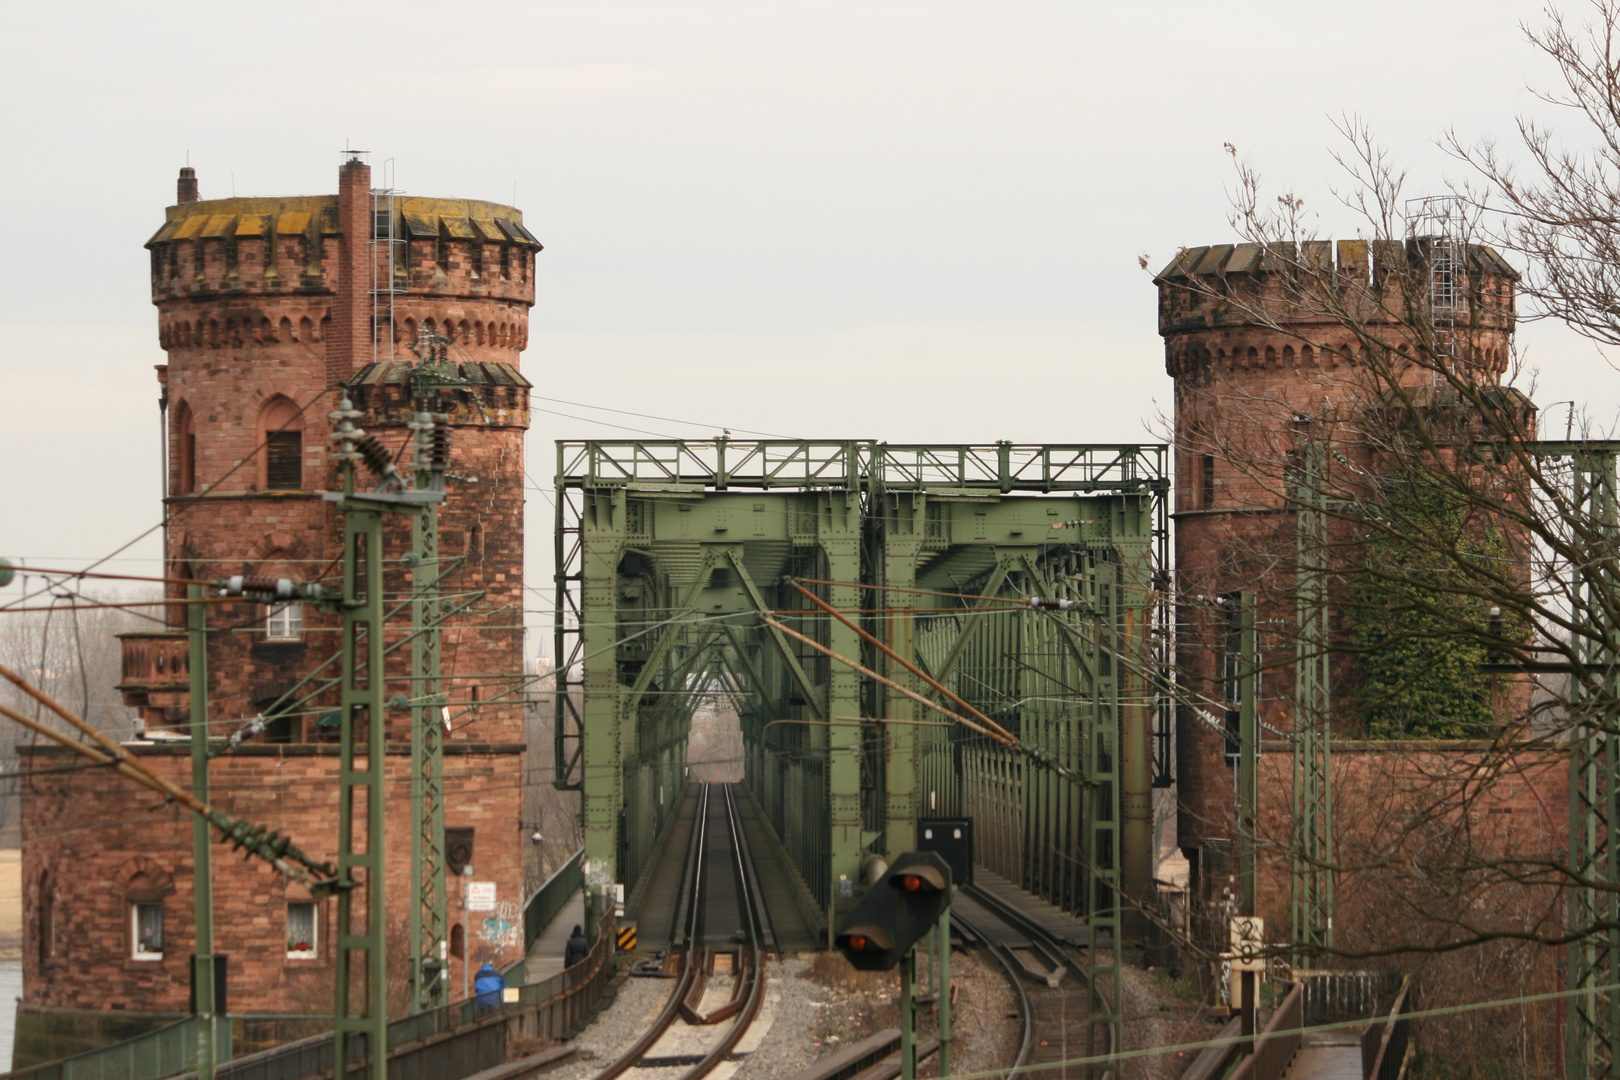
pixel 1063 1015
pixel 718 931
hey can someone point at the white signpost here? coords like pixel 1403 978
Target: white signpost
pixel 480 896
pixel 1248 943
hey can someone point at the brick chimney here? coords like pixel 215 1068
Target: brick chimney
pixel 187 186
pixel 348 345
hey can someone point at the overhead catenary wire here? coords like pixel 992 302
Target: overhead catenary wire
pixel 903 662
pixel 650 416
pixel 170 515
pixel 274 848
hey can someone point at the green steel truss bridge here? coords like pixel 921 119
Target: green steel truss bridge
pixel 685 570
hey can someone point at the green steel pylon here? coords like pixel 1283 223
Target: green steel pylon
pixel 1311 854
pixel 1593 1019
pixel 360 1008
pixel 429 917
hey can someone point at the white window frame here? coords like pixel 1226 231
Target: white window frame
pixel 136 952
pixel 314 950
pixel 285 622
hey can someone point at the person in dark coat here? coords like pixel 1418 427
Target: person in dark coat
pixel 488 986
pixel 578 948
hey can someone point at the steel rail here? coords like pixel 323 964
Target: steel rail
pixel 691 920
pixel 1021 922
pixel 1003 954
pixel 756 953
pixel 694 875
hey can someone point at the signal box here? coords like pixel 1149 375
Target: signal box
pixel 953 839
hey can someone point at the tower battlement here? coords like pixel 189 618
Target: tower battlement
pixel 1225 285
pixel 1251 309
pixel 446 247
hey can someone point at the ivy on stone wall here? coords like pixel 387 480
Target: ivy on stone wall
pixel 1415 626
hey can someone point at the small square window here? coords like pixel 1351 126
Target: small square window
pixel 286 622
pixel 146 930
pixel 301 931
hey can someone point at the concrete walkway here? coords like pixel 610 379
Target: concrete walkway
pixel 545 957
pixel 1327 1055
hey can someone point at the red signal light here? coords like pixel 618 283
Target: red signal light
pixel 911 882
pixel 858 942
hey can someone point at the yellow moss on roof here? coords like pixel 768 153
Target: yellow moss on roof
pixel 462 219
pixel 190 227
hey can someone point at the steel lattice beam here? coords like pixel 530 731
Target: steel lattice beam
pixel 360 1023
pixel 669 552
pixel 1593 1023
pixel 429 922
pixel 1311 925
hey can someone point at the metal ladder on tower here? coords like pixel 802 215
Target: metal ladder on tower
pixel 1436 223
pixel 388 265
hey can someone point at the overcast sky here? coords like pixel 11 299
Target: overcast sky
pixel 909 222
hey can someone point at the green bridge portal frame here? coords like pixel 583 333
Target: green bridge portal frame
pixel 671 553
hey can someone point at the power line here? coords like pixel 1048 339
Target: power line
pixel 651 416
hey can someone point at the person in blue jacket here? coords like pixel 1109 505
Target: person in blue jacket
pixel 488 986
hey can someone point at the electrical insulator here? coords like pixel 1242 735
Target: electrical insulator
pixel 256 587
pixel 269 590
pixel 441 446
pixel 376 457
pixel 345 434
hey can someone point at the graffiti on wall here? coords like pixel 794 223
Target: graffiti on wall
pixel 502 928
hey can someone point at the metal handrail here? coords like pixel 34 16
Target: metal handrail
pixel 1383 1046
pixel 1276 1045
pixel 461 1023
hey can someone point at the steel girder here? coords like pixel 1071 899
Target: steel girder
pixel 668 553
pixel 1311 854
pixel 1593 1024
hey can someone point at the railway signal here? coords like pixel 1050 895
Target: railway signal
pixel 883 929
pixel 895 914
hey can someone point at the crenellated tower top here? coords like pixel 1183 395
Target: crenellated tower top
pixel 1237 306
pixel 448 247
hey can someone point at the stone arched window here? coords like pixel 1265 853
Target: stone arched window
pixel 281 432
pixel 185 451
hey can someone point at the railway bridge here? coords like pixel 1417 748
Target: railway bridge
pixel 904 631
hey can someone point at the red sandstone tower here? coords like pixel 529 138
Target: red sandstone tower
pixel 271 310
pixel 1255 362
